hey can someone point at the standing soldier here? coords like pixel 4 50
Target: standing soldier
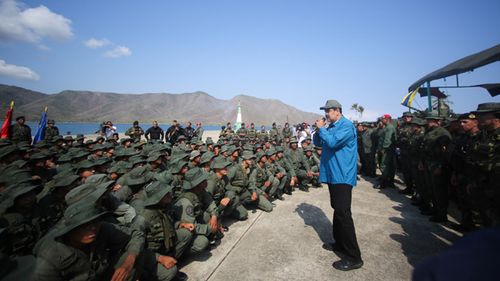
pixel 262 135
pixel 484 163
pixel 287 132
pixel 387 152
pixel 242 131
pixel 135 132
pixel 436 142
pixel 51 131
pixel 404 134
pixel 252 133
pixel 199 131
pixel 415 154
pixel 274 134
pixel 368 166
pixel 461 145
pixel 20 132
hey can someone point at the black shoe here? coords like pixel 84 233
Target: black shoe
pixel 406 191
pixel 280 197
pixel 304 188
pixel 427 212
pixel 180 276
pixel 334 247
pixel 346 265
pixel 438 219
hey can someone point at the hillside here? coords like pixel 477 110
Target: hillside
pixel 86 106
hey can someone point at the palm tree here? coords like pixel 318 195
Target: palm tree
pixel 359 109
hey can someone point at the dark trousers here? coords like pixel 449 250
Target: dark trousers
pixel 343 225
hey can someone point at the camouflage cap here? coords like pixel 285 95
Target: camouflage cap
pixel 139 176
pixel 97 147
pixel 154 156
pixel 39 156
pixel 418 122
pixel 194 154
pixel 155 191
pixel 308 149
pixel 137 159
pixel 433 115
pixel 97 179
pixel 77 215
pixel 246 155
pixel 407 114
pixel 176 166
pixel 207 157
pixel 10 194
pixel 119 168
pixel 69 138
pixel 260 154
pixel 79 192
pixel 7 150
pixel 209 141
pixel 65 181
pixel 220 163
pixel 42 144
pixel 271 151
pixel 194 177
pixel 86 164
pixel 123 140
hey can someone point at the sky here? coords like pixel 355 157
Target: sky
pixel 299 52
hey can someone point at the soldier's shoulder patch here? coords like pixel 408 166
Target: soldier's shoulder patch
pixel 190 211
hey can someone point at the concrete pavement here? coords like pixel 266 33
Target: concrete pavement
pixel 286 244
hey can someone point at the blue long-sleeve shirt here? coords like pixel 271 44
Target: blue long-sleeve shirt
pixel 339 157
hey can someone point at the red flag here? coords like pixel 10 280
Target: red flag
pixel 4 134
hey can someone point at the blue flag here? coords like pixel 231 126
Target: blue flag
pixel 40 132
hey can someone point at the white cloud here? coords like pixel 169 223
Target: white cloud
pixel 96 43
pixel 19 23
pixel 16 71
pixel 119 51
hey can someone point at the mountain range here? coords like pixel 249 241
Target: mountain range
pixel 89 106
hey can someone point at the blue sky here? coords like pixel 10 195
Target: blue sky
pixel 300 52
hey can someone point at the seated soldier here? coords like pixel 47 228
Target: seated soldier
pixel 83 247
pixel 239 182
pixel 225 197
pixel 162 238
pixel 313 164
pixel 196 211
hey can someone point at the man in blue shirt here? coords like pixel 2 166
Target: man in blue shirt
pixel 338 168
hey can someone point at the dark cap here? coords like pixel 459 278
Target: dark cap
pixel 331 104
pixel 488 107
pixel 469 115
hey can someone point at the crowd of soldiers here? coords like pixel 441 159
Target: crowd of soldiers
pixel 124 209
pixel 442 159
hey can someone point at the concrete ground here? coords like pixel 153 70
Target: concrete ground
pixel 286 244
